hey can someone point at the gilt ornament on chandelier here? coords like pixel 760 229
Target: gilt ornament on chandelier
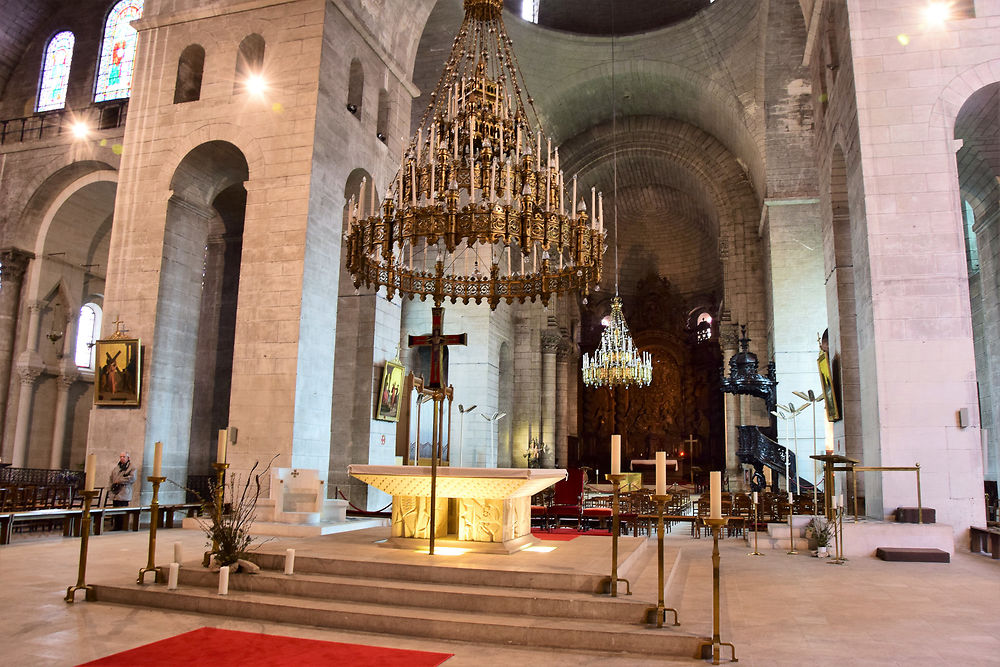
pixel 616 361
pixel 479 209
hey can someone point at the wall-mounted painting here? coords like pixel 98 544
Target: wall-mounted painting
pixel 387 408
pixel 826 379
pixel 117 380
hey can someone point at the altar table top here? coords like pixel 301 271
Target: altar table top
pixel 492 483
pixel 652 462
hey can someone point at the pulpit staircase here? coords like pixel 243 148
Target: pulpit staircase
pixel 759 451
pixel 431 601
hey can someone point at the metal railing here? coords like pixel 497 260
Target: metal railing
pixel 51 124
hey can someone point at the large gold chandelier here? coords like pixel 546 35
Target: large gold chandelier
pixel 478 210
pixel 616 361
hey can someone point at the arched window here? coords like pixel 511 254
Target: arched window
pixel 190 67
pixel 971 245
pixel 355 88
pixel 249 60
pixel 703 331
pixel 114 74
pixel 87 331
pixel 55 72
pixel 529 10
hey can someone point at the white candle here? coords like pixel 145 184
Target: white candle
pixel 172 571
pixel 840 500
pixel 178 552
pixel 754 497
pixel 616 454
pixel 91 472
pixel 790 499
pixel 224 580
pixel 289 561
pixel 157 458
pixel 715 488
pixel 661 473
pixel 221 454
pixel 829 448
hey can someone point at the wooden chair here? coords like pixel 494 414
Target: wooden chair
pixel 567 501
pixel 597 508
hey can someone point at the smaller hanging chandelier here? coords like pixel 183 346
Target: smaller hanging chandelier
pixel 617 361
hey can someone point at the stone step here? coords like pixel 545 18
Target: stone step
pixel 424 622
pixel 443 574
pixel 777 541
pixel 477 598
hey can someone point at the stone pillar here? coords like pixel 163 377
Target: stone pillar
pixel 29 367
pixel 14 263
pixel 550 345
pixel 562 403
pixel 66 380
pixel 728 339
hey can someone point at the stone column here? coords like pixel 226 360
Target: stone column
pixel 562 402
pixel 728 337
pixel 66 380
pixel 14 262
pixel 29 367
pixel 550 345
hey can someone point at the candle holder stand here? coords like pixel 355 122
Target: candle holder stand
pixel 661 610
pixel 716 643
pixel 791 534
pixel 88 498
pixel 838 537
pixel 154 518
pixel 755 552
pixel 220 489
pixel 616 481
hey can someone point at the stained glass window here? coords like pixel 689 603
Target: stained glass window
pixel 114 75
pixel 55 72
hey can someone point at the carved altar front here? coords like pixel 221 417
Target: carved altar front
pixel 474 505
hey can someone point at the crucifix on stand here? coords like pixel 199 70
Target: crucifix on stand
pixel 691 442
pixel 436 390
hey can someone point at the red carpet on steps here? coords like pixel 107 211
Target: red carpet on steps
pixel 214 647
pixel 566 534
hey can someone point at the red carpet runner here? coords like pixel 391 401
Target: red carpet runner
pixel 566 534
pixel 229 648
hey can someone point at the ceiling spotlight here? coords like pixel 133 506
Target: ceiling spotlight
pixel 80 130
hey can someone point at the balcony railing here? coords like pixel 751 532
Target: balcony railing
pixel 51 124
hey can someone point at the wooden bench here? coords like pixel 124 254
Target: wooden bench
pixel 166 519
pixel 130 514
pixel 71 520
pixel 978 538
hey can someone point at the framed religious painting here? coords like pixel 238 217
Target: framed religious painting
pixel 387 406
pixel 117 378
pixel 826 380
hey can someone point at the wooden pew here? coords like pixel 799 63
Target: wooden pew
pixel 978 538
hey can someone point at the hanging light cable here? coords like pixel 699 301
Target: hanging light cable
pixel 616 362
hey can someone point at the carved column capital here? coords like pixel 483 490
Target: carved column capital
pixel 28 374
pixel 66 380
pixel 15 263
pixel 551 341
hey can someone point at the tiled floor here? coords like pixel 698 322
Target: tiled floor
pixel 777 609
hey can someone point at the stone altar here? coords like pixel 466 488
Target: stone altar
pixel 478 508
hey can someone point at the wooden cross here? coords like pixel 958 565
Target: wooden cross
pixel 691 442
pixel 437 341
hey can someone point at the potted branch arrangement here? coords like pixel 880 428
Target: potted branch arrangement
pixel 229 532
pixel 819 530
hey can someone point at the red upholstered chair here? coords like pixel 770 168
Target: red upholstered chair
pixel 567 502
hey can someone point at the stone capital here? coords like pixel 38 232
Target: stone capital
pixel 28 374
pixel 551 341
pixel 15 263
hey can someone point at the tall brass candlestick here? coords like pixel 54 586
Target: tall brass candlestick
pixel 716 644
pixel 661 610
pixel 88 498
pixel 616 481
pixel 154 518
pixel 220 489
pixel 755 552
pixel 838 537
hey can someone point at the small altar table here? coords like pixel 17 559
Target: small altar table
pixel 478 508
pixel 652 462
